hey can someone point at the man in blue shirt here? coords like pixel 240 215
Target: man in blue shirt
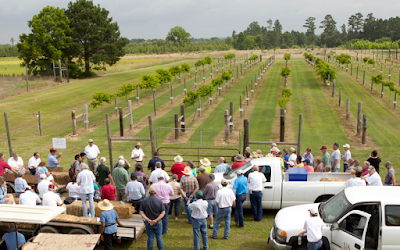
pixel 135 191
pixel 152 162
pixel 222 167
pixel 109 221
pixel 53 160
pixel 10 238
pixel 240 187
pixel 20 184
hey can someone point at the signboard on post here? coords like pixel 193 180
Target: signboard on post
pixel 60 143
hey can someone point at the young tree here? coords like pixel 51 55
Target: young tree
pixel 99 98
pixel 125 90
pixel 310 25
pixel 97 39
pixel 287 57
pixel 216 82
pixel 285 71
pixel 205 90
pixel 191 99
pixel 174 70
pixel 178 36
pixel 185 67
pixel 324 70
pixel 163 75
pixel 200 63
pixel 149 81
pixel 207 60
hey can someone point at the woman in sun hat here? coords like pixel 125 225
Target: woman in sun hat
pixel 109 221
pixel 178 167
pixel 206 163
pixel 257 154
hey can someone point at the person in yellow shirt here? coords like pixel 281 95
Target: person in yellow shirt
pixel 207 165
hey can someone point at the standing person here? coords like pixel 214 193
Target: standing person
pixel 222 167
pixel 4 165
pixel 346 157
pixel 202 178
pixel 372 178
pixel 13 236
pixel 135 192
pixel 175 200
pixel 198 209
pixel 193 167
pixel 285 158
pixel 313 228
pixel 76 165
pixel 354 167
pixel 137 153
pixel 20 184
pixel 307 166
pixel 374 160
pixel 43 186
pixel 225 199
pixel 357 181
pixel 326 158
pixel 256 180
pixel 152 210
pixel 210 193
pixel 319 166
pixel 33 162
pixel 121 178
pixel 92 151
pixel 152 162
pixel 52 199
pixel 85 181
pixel 127 165
pixel 108 191
pixel 240 187
pixel 29 198
pixel 16 162
pixel 390 178
pixel 309 156
pixel 206 163
pixel 164 191
pixel 53 160
pixel 141 176
pixel 4 197
pixel 109 220
pixel 293 156
pixel 178 167
pixel 189 186
pixel 83 156
pixel 73 189
pixel 103 173
pixel 335 158
pixel 239 161
pixel 157 172
pixel 273 147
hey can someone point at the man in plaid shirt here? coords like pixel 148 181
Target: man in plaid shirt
pixel 189 186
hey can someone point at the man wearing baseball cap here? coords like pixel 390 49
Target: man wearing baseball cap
pixel 346 157
pixel 198 209
pixel 313 228
pixel 326 158
pixel 240 187
pixel 390 178
pixel 335 158
pixel 53 160
pixel 92 151
pixel 50 198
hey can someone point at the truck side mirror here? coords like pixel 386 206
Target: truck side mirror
pixel 335 226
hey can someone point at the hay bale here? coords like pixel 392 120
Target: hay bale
pixel 67 217
pixel 62 178
pixel 332 179
pixel 19 225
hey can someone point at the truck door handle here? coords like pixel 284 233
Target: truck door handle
pixel 357 246
pixel 269 187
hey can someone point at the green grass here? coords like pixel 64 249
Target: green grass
pixel 11 67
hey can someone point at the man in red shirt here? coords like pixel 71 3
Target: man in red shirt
pixel 239 161
pixel 4 165
pixel 108 191
pixel 178 167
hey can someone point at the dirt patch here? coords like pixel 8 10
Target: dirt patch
pixel 79 133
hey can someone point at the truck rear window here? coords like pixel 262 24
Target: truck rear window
pixel 392 215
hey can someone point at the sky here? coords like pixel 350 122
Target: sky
pixel 150 19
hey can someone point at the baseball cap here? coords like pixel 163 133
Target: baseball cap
pixel 336 144
pixel 292 149
pixel 387 163
pixel 90 140
pixel 51 186
pixel 307 161
pixel 199 194
pixel 239 171
pixel 133 175
pixel 212 176
pixel 346 146
pixel 291 163
pixel 273 144
pixel 371 168
pixel 43 176
pixel 202 168
pixel 313 211
pixel 152 190
pixel 224 181
pixel 323 147
pixel 121 162
pixel 53 150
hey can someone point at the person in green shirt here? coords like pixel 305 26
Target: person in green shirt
pixel 127 164
pixel 103 172
pixel 207 165
pixel 121 177
pixel 326 158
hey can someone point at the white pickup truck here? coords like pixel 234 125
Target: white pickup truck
pixel 279 192
pixel 355 219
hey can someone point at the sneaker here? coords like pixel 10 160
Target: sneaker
pixel 184 212
pixel 211 227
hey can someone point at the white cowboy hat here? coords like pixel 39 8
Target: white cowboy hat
pixel 258 154
pixel 269 155
pixel 346 146
pixel 105 205
pixel 187 171
pixel 178 159
pixel 205 162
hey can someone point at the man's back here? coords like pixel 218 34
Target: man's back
pixel 225 197
pixel 134 190
pixel 120 177
pixel 164 191
pixel 28 198
pixel 203 180
pixel 355 182
pixel 222 168
pixel 152 207
pixel 43 187
pixel 103 171
pixel 189 184
pixel 210 191
pixel 240 185
pixel 108 192
pixel 155 173
pixel 51 199
pixel 152 163
pixel 85 179
pixel 11 242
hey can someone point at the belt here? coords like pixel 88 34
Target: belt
pixel 92 159
pixel 166 204
pixel 138 161
pixel 241 194
pixel 314 243
pixel 111 225
pixel 223 207
pixel 256 191
pixel 211 199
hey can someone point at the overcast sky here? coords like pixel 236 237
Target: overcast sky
pixel 206 18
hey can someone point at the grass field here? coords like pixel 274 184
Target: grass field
pixel 11 66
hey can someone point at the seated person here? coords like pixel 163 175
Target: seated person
pixel 4 197
pixel 11 239
pixel 355 167
pixel 29 198
pixel 73 189
pixel 16 163
pixel 41 169
pixel 96 194
pixel 108 191
pixel 20 184
pixel 51 199
pixel 43 186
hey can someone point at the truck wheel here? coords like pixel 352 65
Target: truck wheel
pixel 10 188
pixel 49 230
pixel 79 231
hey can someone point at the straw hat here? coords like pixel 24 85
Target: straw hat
pixel 269 155
pixel 138 144
pixel 258 154
pixel 178 159
pixel 274 149
pixel 187 171
pixel 239 157
pixel 105 205
pixel 205 162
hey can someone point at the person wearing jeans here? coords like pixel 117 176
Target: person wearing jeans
pixel 174 205
pixel 313 226
pixel 240 187
pixel 85 181
pixel 176 198
pixel 154 230
pixel 256 180
pixel 189 186
pixel 198 210
pixel 164 191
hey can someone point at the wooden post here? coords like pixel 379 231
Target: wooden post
pixel 176 127
pixel 130 115
pixel 382 91
pixel 231 115
pixel 184 85
pixel 357 73
pixel 109 141
pixel 359 110
pixel 340 95
pixel 394 101
pixel 73 122
pixel 364 133
pixel 137 94
pixel 86 116
pixel 54 71
pixel 172 98
pixel 333 88
pixel 153 148
pixel 245 134
pixel 8 134
pixel 66 68
pixel 240 106
pixel 226 125
pixel 154 102
pixel 26 70
pixel 372 85
pixel 59 67
pixel 195 81
pixel 116 106
pixel 237 71
pixel 183 118
pixel 199 109
pixel 364 77
pixel 247 96
pixel 121 123
pixel 299 134
pixel 40 123
pixel 282 131
pixel 347 108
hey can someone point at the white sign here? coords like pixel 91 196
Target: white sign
pixel 219 87
pixel 230 123
pixel 204 78
pixel 210 98
pixel 211 74
pixel 195 83
pixel 184 90
pixel 171 98
pixel 182 123
pixel 137 97
pixel 60 143
pixel 328 84
pixel 240 110
pixel 247 99
pixel 394 102
pixel 198 109
pixel 252 90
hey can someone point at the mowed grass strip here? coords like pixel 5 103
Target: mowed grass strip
pixel 320 124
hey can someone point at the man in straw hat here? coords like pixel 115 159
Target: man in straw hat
pixel 92 151
pixel 137 153
pixel 346 157
pixel 85 181
pixel 240 187
pixel 189 186
pixel 222 167
pixel 109 221
pixel 152 210
pixel 207 165
pixel 313 228
pixel 154 175
pixel 178 167
pixel 198 209
pixel 239 161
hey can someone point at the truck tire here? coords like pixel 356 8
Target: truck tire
pixel 49 230
pixel 10 188
pixel 80 231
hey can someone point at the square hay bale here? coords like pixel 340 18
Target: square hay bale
pixel 62 178
pixel 331 179
pixel 124 211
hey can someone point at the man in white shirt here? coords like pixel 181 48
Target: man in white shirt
pixel 256 180
pixel 92 151
pixel 198 210
pixel 29 198
pixel 293 156
pixel 85 181
pixel 34 162
pixel 353 182
pixel 313 228
pixel 154 175
pixel 43 186
pixel 51 199
pixel 372 178
pixel 335 158
pixel 225 199
pixel 137 153
pixel 16 162
pixel 346 157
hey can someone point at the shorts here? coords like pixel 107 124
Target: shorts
pixel 212 208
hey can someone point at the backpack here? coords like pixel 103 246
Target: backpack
pixel 71 171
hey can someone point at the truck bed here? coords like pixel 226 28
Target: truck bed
pixel 319 176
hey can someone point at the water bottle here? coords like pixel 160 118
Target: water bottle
pixel 299 241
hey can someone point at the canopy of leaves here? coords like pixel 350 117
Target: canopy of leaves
pixel 149 81
pixel 216 82
pixel 229 56
pixel 285 71
pixel 163 75
pixel 125 90
pixel 205 90
pixel 371 61
pixel 283 101
pixel 365 59
pixel 178 36
pixel 174 70
pixel 199 63
pixel 343 58
pixel 99 98
pixel 378 79
pixel 191 98
pixel 324 70
pixel 207 60
pixel 286 92
pixel 253 57
pixel 226 75
pixel 287 57
pixel 185 67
